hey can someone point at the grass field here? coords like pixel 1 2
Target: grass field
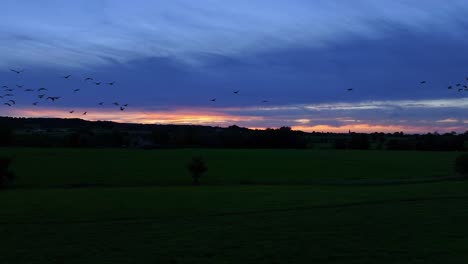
pixel 303 207
pixel 54 167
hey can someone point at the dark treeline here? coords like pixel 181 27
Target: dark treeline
pixel 55 132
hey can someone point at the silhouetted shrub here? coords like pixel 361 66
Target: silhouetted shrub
pixel 461 165
pixel 197 167
pixel 6 176
pixel 359 141
pixel 6 135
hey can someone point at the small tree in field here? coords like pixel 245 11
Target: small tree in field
pixel 197 167
pixel 461 165
pixel 6 176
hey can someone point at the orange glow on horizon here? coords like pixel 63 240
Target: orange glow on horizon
pixel 181 116
pixel 370 128
pixel 216 117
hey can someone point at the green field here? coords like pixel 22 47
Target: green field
pixel 254 206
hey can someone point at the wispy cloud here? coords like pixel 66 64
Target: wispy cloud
pixel 94 32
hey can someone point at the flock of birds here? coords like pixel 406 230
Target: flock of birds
pixel 458 86
pixel 42 92
pixel 44 96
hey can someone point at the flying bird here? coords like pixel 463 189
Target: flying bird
pixel 76 90
pixel 66 77
pixel 19 86
pixel 97 83
pixel 422 82
pixel 115 103
pixel 42 89
pixel 125 105
pixel 110 83
pixel 458 84
pixel 35 103
pixel 101 103
pixel 213 100
pixel 40 96
pixel 53 98
pixel 12 101
pixel 7 104
pixel 8 90
pixel 236 92
pixel 29 90
pixel 350 89
pixel 17 71
pixel 71 112
pixel 450 87
pixel 85 113
pixel 122 108
pixel 89 79
pixel 460 89
pixel 265 101
pixel 4 86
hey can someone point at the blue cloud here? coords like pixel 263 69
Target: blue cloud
pixel 93 32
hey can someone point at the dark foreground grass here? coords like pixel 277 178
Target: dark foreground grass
pixel 58 167
pixel 289 216
pixel 417 223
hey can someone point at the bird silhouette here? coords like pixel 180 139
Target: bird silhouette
pixel 19 86
pixel 53 98
pixel 115 103
pixel 8 90
pixel 4 86
pixel 42 89
pixel 35 103
pixel 17 71
pixel 29 90
pixel 125 105
pixel 458 84
pixel 110 83
pixel 213 100
pixel 350 89
pixel 122 108
pixel 101 103
pixel 236 92
pixel 12 101
pixel 41 96
pixel 265 101
pixel 71 112
pixel 450 87
pixel 89 79
pixel 97 83
pixel 66 77
pixel 7 104
pixel 85 113
pixel 422 82
pixel 460 89
pixel 76 90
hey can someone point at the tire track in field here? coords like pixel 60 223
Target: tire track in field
pixel 247 212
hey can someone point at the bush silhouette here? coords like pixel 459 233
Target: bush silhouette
pixel 461 165
pixel 197 167
pixel 6 176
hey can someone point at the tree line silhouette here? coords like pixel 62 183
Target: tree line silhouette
pixel 56 132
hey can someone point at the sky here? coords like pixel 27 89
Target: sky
pixel 292 62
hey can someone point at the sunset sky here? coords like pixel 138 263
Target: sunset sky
pixel 169 58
